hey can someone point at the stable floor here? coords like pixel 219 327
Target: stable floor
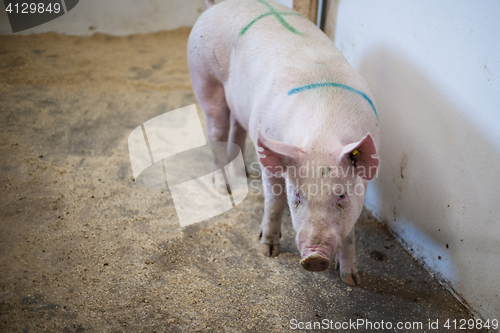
pixel 84 249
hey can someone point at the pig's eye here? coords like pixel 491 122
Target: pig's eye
pixel 297 198
pixel 342 197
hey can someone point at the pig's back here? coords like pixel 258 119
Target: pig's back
pixel 259 38
pixel 260 54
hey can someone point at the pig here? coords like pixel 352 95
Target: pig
pixel 259 67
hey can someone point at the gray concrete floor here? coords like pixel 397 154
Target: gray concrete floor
pixel 83 249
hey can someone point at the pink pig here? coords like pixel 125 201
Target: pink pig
pixel 259 67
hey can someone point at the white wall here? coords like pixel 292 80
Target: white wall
pixel 434 69
pixel 118 17
pixel 121 17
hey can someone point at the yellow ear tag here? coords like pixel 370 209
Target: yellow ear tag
pixel 355 152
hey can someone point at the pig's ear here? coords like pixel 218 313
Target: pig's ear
pixel 276 156
pixel 360 155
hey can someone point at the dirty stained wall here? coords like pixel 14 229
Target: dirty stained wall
pixel 434 71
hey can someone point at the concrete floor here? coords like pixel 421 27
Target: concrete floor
pixel 83 249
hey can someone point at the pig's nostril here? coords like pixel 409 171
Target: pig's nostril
pixel 315 263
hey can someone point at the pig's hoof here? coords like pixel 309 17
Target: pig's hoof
pixel 222 189
pixel 315 263
pixel 270 250
pixel 350 277
pixel 220 185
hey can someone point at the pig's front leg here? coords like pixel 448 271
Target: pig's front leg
pixel 275 201
pixel 346 260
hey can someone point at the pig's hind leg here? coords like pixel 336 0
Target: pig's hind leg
pixel 346 260
pixel 238 136
pixel 275 202
pixel 211 96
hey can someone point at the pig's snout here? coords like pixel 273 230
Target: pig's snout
pixel 315 259
pixel 316 249
pixel 315 262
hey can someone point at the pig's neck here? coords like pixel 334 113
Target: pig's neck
pixel 321 120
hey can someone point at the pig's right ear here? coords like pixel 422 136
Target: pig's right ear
pixel 276 156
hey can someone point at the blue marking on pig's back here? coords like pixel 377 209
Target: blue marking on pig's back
pixel 336 85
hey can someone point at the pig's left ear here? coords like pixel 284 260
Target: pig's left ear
pixel 277 156
pixel 360 155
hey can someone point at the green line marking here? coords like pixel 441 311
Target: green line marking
pixel 337 85
pixel 276 14
pixel 250 24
